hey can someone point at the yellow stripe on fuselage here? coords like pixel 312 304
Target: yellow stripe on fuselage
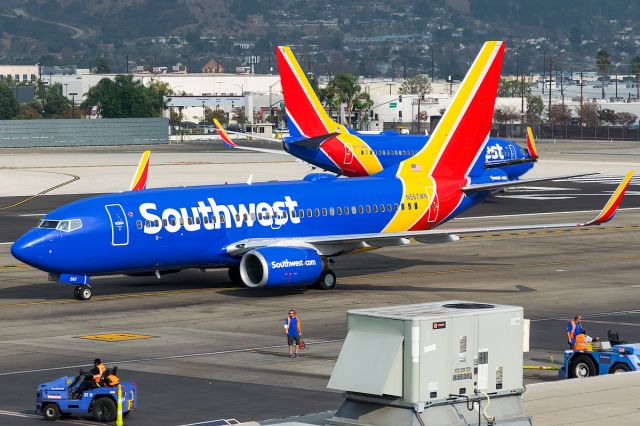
pixel 362 152
pixel 417 183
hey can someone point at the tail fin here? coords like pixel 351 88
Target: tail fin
pixel 223 134
pixel 139 180
pixel 305 114
pixel 531 144
pixel 462 133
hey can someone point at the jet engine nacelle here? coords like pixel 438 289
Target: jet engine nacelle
pixel 281 267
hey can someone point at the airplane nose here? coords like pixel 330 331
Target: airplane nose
pixel 29 250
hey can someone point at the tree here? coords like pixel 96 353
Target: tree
pixel 240 116
pixel 535 107
pixel 627 118
pixel 124 98
pixel 512 88
pixel 416 85
pixel 175 117
pixel 506 114
pixel 588 113
pixel 635 69
pixel 9 106
pixel 607 115
pixel 603 61
pixel 347 89
pixel 362 105
pixel 102 67
pixel 54 104
pixel 329 98
pixel 210 114
pixel 559 114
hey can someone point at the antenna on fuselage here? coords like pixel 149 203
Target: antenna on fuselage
pixel 250 180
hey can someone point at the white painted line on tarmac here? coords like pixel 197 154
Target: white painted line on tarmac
pixel 16 414
pixel 160 358
pixel 32 214
pixel 631 324
pixel 601 314
pixel 539 214
pixel 6 244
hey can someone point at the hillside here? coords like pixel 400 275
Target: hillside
pixel 335 35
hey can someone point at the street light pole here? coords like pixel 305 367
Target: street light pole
pixel 73 104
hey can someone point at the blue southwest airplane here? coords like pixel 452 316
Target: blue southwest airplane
pixel 318 140
pixel 278 234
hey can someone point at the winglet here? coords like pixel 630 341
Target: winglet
pixel 531 144
pixel 610 208
pixel 139 180
pixel 223 134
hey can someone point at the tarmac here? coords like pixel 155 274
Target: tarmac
pixel 210 350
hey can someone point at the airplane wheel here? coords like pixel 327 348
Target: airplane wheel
pixel 85 292
pixel 234 274
pixel 327 280
pixel 76 292
pixel 51 412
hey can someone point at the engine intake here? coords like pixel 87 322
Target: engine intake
pixel 280 267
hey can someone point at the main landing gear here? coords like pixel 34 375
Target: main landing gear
pixel 327 281
pixel 82 292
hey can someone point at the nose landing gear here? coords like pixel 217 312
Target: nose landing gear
pixel 82 292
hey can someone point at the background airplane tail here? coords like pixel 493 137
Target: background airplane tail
pixel 463 131
pixel 305 114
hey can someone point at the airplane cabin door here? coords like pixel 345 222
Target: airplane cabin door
pixel 348 155
pixel 433 209
pixel 119 225
pixel 512 151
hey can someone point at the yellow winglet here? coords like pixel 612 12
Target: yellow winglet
pixel 531 144
pixel 610 208
pixel 223 134
pixel 139 180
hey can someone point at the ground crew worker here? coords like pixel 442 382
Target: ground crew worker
pixel 573 329
pixel 580 343
pixel 90 379
pixel 293 331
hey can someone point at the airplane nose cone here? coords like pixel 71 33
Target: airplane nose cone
pixel 29 250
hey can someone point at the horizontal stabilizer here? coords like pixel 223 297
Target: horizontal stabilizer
pixel 314 142
pixel 507 184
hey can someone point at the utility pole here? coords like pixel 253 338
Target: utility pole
pixel 73 104
pixel 544 70
pixel 522 99
pixel 127 65
pixel 561 86
pixel 433 74
pixel 616 85
pixel 581 97
pixel 550 81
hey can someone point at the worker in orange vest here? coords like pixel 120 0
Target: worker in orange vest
pixel 573 329
pixel 87 380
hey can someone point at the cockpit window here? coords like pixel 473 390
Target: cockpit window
pixel 48 224
pixel 61 225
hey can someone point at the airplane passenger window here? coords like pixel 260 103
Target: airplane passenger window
pixel 205 220
pixel 301 213
pixel 213 219
pixel 317 212
pixel 388 207
pixel 222 218
pixel 181 221
pixel 260 216
pixel 361 209
pixel 353 209
pixel 253 217
pixel 375 208
pixel 189 221
pixel 324 212
pixel 156 223
pixel 284 215
pixel 331 211
pixel 237 218
pixel 198 220
pixel 244 217
pixel 147 224
pixel 346 210
pixel 415 205
pixel 293 213
pixel 173 221
pixel 408 206
pixel 368 208
pixel 309 213
pixel 164 222
pixel 402 206
pixel 395 206
pixel 381 208
pixel 339 209
pixel 139 224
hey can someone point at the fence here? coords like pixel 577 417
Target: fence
pixel 82 132
pixel 567 131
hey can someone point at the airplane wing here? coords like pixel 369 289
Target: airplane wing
pixel 333 245
pixel 139 180
pixel 231 144
pixel 521 182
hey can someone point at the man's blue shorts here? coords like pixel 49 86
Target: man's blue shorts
pixel 292 339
